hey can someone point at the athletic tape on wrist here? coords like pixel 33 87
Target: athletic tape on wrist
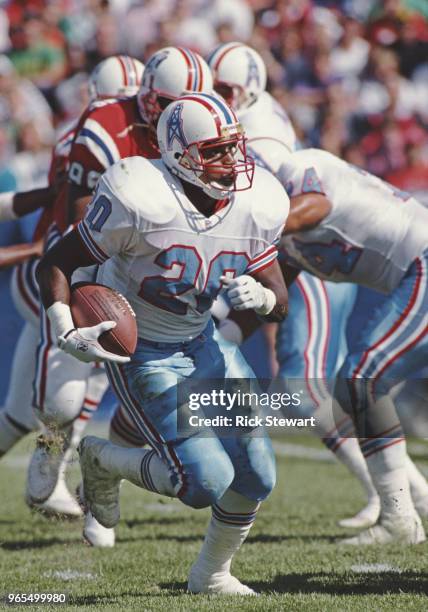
pixel 269 303
pixel 6 206
pixel 59 315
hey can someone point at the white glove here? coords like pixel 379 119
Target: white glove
pixel 82 342
pixel 245 292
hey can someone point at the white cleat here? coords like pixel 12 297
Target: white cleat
pixel 367 517
pixel 44 468
pixel 392 530
pixel 101 489
pixel 216 584
pixel 94 533
pixel 97 535
pixel 60 504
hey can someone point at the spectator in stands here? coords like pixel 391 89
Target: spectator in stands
pixel 36 53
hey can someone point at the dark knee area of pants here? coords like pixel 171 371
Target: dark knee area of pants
pixel 207 480
pixel 258 484
pixel 343 394
pixel 264 483
pixel 350 393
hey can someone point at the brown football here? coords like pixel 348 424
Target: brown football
pixel 93 303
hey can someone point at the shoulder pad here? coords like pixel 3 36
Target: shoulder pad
pixel 110 110
pixel 268 153
pixel 145 186
pixel 270 203
pixel 267 119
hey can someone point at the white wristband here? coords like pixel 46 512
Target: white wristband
pixel 60 318
pixel 269 303
pixel 6 206
pixel 230 331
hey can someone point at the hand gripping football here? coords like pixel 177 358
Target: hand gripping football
pixel 93 303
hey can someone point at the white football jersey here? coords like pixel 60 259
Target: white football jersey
pixel 267 119
pixel 164 255
pixel 372 233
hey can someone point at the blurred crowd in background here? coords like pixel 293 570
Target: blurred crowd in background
pixel 352 74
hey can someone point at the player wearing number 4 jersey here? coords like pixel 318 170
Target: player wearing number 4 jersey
pixel 170 235
pixel 310 343
pixel 347 225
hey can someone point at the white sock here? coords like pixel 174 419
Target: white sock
pixel 349 453
pixel 232 518
pixel 418 483
pixel 142 467
pixel 388 472
pixel 81 422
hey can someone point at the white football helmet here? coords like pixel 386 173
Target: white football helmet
pixel 116 76
pixel 239 74
pixel 170 73
pixel 202 142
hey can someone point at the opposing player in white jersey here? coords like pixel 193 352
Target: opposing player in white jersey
pixel 310 342
pixel 170 234
pixel 349 226
pixel 115 76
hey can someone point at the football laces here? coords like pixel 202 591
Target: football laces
pixel 127 304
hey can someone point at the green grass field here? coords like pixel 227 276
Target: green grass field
pixel 291 556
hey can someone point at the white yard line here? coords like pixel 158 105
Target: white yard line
pixel 288 449
pixel 163 508
pixel 374 568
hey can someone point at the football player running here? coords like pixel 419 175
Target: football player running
pixel 309 352
pixel 114 76
pixel 350 226
pixel 170 234
pixel 354 227
pixel 107 131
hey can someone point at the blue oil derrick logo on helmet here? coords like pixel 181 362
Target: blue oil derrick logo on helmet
pixel 253 70
pixel 174 128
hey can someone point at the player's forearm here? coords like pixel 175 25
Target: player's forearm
pixel 15 205
pixel 27 202
pixel 78 199
pixel 54 284
pixel 306 212
pixel 18 253
pixel 57 266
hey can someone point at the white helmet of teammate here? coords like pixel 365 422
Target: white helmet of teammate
pixel 202 142
pixel 116 76
pixel 170 73
pixel 239 74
